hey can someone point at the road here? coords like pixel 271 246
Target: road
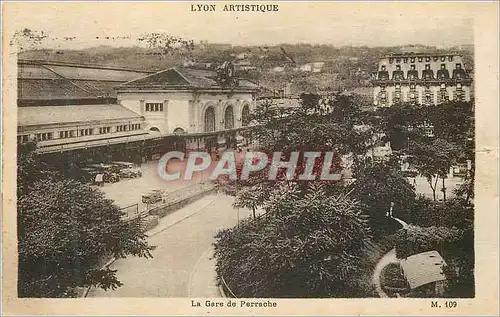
pixel 183 241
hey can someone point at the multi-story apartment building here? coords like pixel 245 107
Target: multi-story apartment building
pixel 421 78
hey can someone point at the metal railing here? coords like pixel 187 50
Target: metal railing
pixel 167 199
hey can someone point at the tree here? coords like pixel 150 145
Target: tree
pixel 433 160
pixel 414 239
pixel 377 187
pixel 310 127
pixel 308 244
pixel 28 39
pixel 65 229
pixel 166 44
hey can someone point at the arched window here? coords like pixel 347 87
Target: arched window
pixel 229 118
pixel 179 131
pixel 210 119
pixel 245 115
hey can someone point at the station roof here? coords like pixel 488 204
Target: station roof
pixel 29 116
pixel 423 268
pixel 177 77
pixel 43 80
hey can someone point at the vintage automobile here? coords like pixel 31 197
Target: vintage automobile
pixel 87 174
pixel 152 197
pixel 127 169
pixel 111 172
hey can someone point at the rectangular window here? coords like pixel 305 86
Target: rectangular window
pixel 67 134
pixel 450 58
pixel 154 106
pixel 85 132
pixel 121 128
pixel 420 58
pixel 22 138
pixel 405 59
pixel 428 59
pixel 44 136
pixel 443 58
pixel 104 130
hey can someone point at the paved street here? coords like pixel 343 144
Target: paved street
pixel 128 191
pixel 180 266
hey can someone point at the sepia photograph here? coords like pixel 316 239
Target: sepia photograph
pixel 234 155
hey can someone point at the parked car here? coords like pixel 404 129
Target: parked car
pixel 111 172
pixel 87 174
pixel 127 169
pixel 152 197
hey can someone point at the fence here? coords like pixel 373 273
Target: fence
pixel 185 192
pixel 169 198
pixel 130 211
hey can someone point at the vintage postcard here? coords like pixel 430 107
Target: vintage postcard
pixel 250 158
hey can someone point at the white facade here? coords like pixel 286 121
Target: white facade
pixel 186 110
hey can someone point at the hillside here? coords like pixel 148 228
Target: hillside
pixel 344 67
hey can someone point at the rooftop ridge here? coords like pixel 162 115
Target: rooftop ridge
pixel 69 64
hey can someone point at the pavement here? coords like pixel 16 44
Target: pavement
pixel 181 265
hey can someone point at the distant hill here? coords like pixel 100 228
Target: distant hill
pixel 344 67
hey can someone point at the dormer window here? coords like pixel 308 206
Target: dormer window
pixel 420 58
pixel 428 59
pixel 435 58
pixel 412 60
pixel 443 58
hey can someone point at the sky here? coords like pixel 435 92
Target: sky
pixel 336 23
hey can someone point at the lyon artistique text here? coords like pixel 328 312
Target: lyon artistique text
pixel 235 7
